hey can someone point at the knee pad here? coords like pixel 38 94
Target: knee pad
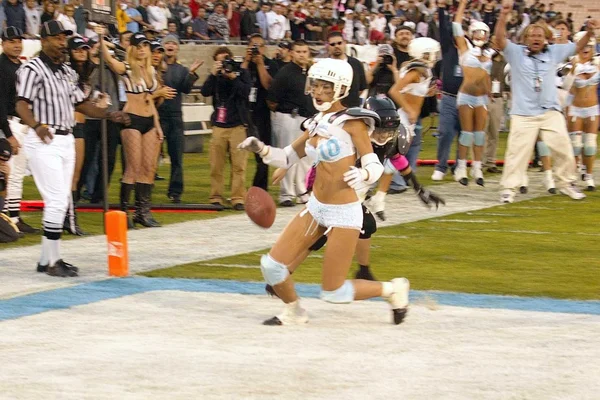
pixel 577 143
pixel 479 137
pixel 542 149
pixel 466 138
pixel 319 243
pixel 273 271
pixel 369 224
pixel 589 144
pixel 341 295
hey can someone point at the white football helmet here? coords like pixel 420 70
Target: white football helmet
pixel 580 35
pixel 425 49
pixel 479 26
pixel 338 72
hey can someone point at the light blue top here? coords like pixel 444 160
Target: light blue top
pixel 133 26
pixel 525 69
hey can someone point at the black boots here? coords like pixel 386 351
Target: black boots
pixel 124 197
pixel 143 195
pixel 70 224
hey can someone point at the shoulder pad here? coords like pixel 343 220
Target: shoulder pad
pixel 358 112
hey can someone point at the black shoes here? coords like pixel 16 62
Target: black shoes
pixel 287 203
pixel 365 273
pixel 24 227
pixel 238 207
pixel 493 170
pixel 60 269
pixel 143 197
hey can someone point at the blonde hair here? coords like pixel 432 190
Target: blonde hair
pixel 136 70
pixel 537 25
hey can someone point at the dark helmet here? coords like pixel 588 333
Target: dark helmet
pixel 390 137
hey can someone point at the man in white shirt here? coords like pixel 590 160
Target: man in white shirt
pixel 32 18
pixel 276 22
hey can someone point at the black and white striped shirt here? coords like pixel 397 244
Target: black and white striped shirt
pixel 51 90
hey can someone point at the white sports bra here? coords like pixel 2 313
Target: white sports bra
pixel 420 88
pixel 587 68
pixel 471 59
pixel 334 143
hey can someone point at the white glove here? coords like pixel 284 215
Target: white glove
pixel 252 144
pixel 356 177
pixel 377 202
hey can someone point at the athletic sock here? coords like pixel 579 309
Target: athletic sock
pixel 387 288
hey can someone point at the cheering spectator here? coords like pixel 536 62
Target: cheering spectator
pixel 276 21
pixel 261 20
pixel 200 26
pixel 312 25
pixel 234 18
pixel 49 9
pixel 15 15
pixel 218 25
pixel 32 18
pixel 248 24
pixel 66 18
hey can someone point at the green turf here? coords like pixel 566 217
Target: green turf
pixel 197 186
pixel 541 247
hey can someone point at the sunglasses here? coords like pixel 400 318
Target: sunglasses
pixel 336 43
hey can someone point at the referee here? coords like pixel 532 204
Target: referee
pixel 47 97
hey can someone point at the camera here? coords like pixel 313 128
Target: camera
pixel 255 50
pixel 230 65
pixel 387 59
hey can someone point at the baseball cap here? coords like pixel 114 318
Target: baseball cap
pixel 138 38
pixel 11 33
pixel 169 39
pixel 54 28
pixel 405 28
pixel 155 45
pixel 285 45
pixel 77 42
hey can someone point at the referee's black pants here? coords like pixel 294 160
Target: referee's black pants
pixel 93 136
pixel 172 128
pixel 262 130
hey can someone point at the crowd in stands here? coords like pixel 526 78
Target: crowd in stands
pixel 360 22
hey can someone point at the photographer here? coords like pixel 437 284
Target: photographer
pixel 383 75
pixel 262 70
pixel 230 90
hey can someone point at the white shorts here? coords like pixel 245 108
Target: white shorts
pixel 349 216
pixel 583 112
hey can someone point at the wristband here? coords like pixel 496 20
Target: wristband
pixel 37 126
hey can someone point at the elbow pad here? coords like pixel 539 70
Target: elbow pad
pixel 370 163
pixel 567 82
pixel 457 29
pixel 279 158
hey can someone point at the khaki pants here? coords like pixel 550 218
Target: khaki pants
pixel 492 130
pixel 226 140
pixel 286 129
pixel 552 128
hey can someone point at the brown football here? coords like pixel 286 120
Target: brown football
pixel 260 207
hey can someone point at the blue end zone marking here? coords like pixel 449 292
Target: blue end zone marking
pixel 93 292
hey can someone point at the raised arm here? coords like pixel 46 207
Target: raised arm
pixel 591 26
pixel 457 30
pixel 500 30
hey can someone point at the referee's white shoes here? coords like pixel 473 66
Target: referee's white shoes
pixel 507 196
pixel 573 192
